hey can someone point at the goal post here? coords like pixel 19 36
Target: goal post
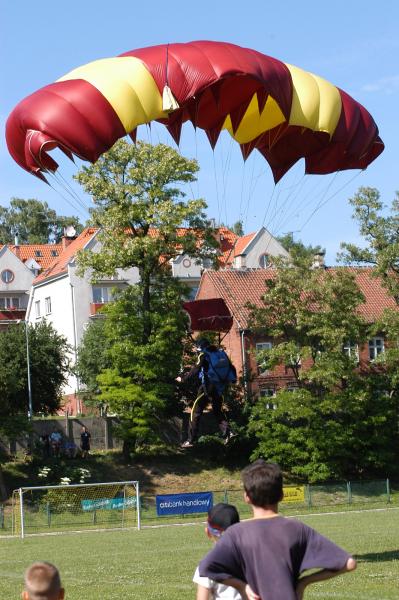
pixel 75 507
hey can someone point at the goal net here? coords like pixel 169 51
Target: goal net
pixel 76 507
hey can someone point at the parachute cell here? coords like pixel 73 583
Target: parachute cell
pixel 280 110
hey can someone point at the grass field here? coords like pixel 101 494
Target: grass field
pixel 158 563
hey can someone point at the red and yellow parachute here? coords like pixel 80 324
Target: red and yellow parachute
pixel 280 110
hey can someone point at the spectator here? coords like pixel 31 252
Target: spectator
pixel 45 445
pixel 220 517
pixel 42 582
pixel 70 449
pixel 56 439
pixel 85 442
pixel 271 552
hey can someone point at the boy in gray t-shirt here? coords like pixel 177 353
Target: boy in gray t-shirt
pixel 270 552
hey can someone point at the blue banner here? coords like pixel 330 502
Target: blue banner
pixel 184 504
pixel 108 503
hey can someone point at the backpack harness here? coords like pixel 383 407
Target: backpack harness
pixel 219 371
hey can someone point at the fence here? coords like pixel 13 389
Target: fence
pixel 314 498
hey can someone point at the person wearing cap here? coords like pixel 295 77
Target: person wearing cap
pixel 220 518
pixel 42 582
pixel 214 371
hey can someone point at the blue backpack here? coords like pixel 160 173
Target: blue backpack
pixel 220 370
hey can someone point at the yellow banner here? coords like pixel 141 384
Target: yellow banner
pixel 294 494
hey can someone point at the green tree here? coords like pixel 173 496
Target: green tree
pixel 33 221
pixel 336 422
pixel 140 205
pixel 92 359
pixel 296 248
pixel 48 371
pixel 380 230
pixel 138 198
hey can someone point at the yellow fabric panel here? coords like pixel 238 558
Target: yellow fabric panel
pixel 316 103
pixel 253 123
pixel 127 85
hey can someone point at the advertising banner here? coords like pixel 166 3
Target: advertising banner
pixel 184 504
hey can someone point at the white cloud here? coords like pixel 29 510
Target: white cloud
pixel 388 85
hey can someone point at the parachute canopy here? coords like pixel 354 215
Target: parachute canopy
pixel 280 110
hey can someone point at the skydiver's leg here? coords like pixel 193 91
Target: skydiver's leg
pixel 196 413
pixel 217 404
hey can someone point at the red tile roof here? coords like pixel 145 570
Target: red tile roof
pixel 60 264
pixel 243 242
pixel 26 251
pixel 239 287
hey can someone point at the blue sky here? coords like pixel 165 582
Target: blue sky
pixel 353 44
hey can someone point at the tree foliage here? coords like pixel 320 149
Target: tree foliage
pixel 33 221
pixel 337 422
pixel 140 206
pixel 380 230
pixel 48 370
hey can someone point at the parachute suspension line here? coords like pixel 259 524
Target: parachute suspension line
pixel 225 171
pixel 216 184
pixel 64 197
pixel 74 194
pixel 323 203
pixel 290 203
pixel 240 216
pixel 250 191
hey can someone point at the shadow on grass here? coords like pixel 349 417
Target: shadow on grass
pixel 378 556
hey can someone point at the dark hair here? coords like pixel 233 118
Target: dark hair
pixel 222 515
pixel 263 483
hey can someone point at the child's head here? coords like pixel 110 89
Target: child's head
pixel 220 517
pixel 263 483
pixel 42 582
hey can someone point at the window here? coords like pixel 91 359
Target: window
pixel 47 305
pixel 268 393
pixel 38 253
pixel 264 261
pixel 8 302
pixel 7 276
pixel 351 350
pixel 37 309
pixel 261 360
pixel 54 253
pixel 101 295
pixel 376 347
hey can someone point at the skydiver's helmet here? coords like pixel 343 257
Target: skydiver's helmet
pixel 202 344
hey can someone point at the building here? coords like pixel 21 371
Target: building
pixel 19 265
pixel 239 287
pixel 69 302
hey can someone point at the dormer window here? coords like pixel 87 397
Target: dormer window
pixel 54 253
pixel 38 253
pixel 264 261
pixel 7 276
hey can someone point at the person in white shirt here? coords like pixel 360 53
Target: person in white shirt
pixel 220 517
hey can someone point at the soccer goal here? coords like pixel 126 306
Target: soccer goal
pixel 76 507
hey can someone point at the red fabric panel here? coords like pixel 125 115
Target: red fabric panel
pixel 209 315
pixel 70 114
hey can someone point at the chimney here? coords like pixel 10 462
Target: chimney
pixel 68 237
pixel 318 261
pixel 17 249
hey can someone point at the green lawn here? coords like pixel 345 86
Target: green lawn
pixel 158 563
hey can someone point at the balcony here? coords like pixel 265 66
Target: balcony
pixel 95 308
pixel 12 314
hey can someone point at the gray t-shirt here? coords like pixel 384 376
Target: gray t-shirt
pixel 270 554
